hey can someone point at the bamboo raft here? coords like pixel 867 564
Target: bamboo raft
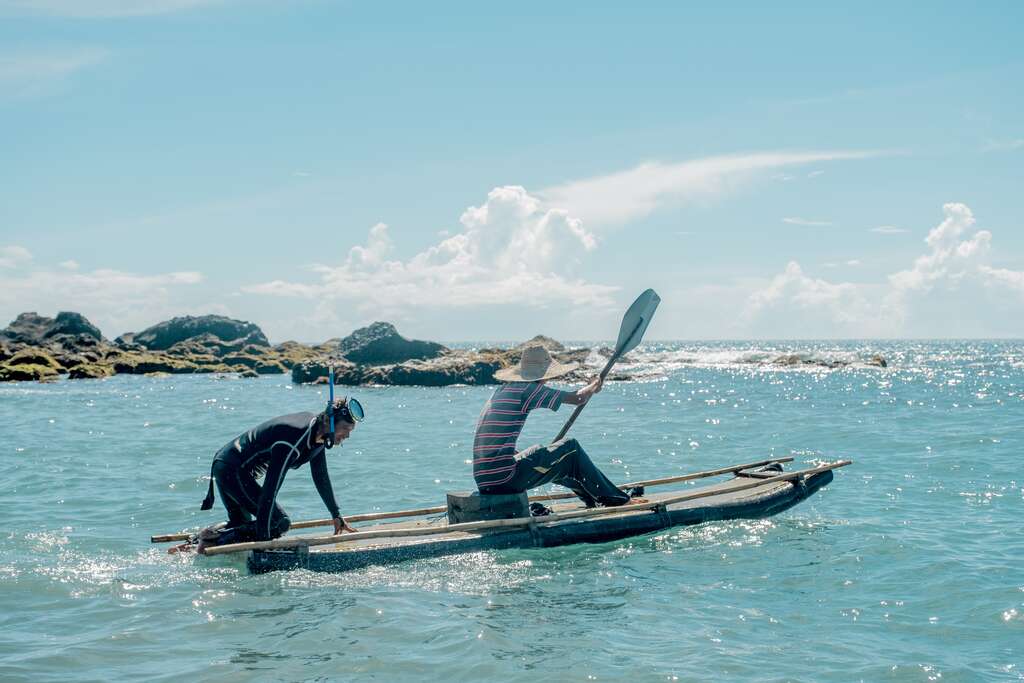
pixel 754 490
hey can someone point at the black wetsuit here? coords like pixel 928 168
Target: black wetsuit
pixel 271 449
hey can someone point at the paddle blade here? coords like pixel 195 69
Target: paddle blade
pixel 636 320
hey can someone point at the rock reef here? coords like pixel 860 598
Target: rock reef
pixel 35 347
pixel 38 348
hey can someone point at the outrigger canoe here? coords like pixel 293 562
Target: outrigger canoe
pixel 754 490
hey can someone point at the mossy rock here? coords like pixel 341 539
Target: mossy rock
pixel 26 372
pixel 202 359
pixel 439 372
pixel 90 371
pixel 270 367
pixel 168 333
pixel 219 368
pixel 291 353
pixel 316 371
pixel 32 356
pixel 144 364
pixel 552 345
pixel 380 344
pixel 70 360
pixel 245 359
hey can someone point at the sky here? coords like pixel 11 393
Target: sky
pixel 492 171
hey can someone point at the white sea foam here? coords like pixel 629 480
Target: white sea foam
pixel 655 361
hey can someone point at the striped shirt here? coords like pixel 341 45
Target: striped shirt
pixel 500 424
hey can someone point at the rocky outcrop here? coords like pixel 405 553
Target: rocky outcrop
pixel 74 325
pixel 146 363
pixel 27 328
pixel 315 371
pixel 380 343
pixel 473 369
pixel 90 371
pixel 291 353
pixel 126 342
pixel 452 367
pixel 163 336
pixel 34 329
pixel 37 347
pixel 34 356
pixel 552 345
pixel 29 364
pixel 34 347
pixel 27 372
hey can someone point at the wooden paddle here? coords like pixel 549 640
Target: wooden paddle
pixel 631 331
pixel 371 516
pixel 306 541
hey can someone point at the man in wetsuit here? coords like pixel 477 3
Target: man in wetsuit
pixel 498 468
pixel 271 449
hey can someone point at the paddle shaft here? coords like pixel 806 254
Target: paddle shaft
pixel 370 516
pixel 604 373
pixel 515 522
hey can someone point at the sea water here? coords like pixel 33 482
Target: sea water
pixel 908 567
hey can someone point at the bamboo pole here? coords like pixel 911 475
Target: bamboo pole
pixel 676 479
pixel 307 541
pixel 364 517
pixel 371 516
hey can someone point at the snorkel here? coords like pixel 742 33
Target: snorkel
pixel 329 438
pixel 347 408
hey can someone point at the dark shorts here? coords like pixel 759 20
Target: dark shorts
pixel 567 464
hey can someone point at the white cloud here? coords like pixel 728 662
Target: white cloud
pixel 1014 279
pixel 793 220
pixel 792 295
pixel 639 191
pixel 888 230
pixel 14 256
pixel 70 264
pixel 511 251
pixel 948 259
pixel 814 174
pixel 112 299
pixel 943 293
pixel 102 8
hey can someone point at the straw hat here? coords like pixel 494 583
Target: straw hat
pixel 535 365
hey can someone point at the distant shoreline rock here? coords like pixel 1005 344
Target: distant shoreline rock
pixel 164 335
pixel 380 344
pixel 38 348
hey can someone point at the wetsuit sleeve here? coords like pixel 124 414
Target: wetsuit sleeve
pixel 276 469
pixel 542 396
pixel 322 480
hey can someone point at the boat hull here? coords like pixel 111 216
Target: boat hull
pixel 746 504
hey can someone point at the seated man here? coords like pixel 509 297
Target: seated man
pixel 498 468
pixel 271 449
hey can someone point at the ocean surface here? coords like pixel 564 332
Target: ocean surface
pixel 908 567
